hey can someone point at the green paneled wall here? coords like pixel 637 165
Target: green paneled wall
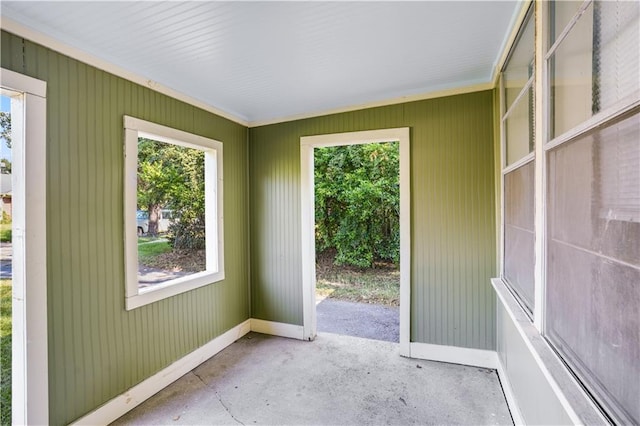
pixel 97 350
pixel 452 209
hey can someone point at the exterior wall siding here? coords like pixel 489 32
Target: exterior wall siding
pixel 452 207
pixel 97 350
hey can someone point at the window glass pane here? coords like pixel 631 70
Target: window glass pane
pixel 519 67
pixel 519 235
pixel 570 74
pixel 593 262
pixel 616 47
pixel 170 217
pixel 596 65
pixel 519 129
pixel 560 13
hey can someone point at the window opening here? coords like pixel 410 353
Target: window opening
pixel 174 195
pixel 592 159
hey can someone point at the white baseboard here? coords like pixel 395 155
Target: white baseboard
pixel 127 401
pixel 130 399
pixel 455 355
pixel 516 416
pixel 277 329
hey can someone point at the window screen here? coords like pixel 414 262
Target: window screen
pixel 593 263
pixel 518 183
pixel 519 237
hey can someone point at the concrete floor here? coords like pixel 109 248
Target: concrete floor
pixel 336 380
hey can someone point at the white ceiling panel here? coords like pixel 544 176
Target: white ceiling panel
pixel 262 61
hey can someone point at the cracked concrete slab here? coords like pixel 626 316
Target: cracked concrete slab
pixel 334 380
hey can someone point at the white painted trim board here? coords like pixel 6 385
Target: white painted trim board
pixel 402 135
pixel 277 329
pixel 509 396
pixel 455 355
pixel 30 387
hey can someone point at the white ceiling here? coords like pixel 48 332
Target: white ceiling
pixel 264 61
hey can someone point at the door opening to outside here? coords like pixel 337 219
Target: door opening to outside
pixel 357 240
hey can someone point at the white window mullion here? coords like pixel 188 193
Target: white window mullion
pixel 503 163
pixel 522 94
pixel 540 122
pixel 566 30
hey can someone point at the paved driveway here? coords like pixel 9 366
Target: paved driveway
pixel 6 262
pixel 359 320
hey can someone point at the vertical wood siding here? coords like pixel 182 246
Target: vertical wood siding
pixel 97 350
pixel 452 209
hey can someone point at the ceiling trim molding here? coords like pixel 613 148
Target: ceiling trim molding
pixel 20 30
pixel 23 31
pixel 479 87
pixel 509 40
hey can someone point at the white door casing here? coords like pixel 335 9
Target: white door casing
pixel 30 381
pixel 307 145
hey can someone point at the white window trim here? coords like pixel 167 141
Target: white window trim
pixel 307 145
pixel 533 81
pixel 134 128
pixel 30 384
pixel 535 336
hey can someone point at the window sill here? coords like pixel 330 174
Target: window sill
pixel 577 403
pixel 171 288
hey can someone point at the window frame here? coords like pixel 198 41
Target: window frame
pixel 544 143
pixel 623 108
pixel 506 168
pixel 214 230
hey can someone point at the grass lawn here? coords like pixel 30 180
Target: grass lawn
pixel 379 285
pixel 148 250
pixel 5 232
pixel 5 352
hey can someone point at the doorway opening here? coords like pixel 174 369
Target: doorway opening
pixel 25 393
pixel 6 257
pixel 357 237
pixel 308 145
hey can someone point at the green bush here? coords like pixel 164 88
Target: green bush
pixel 5 352
pixel 357 196
pixel 6 219
pixel 5 233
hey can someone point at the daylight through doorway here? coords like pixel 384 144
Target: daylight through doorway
pixel 357 239
pixel 6 257
pixel 25 99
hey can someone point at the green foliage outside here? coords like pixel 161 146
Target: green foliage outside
pixel 5 135
pixel 172 177
pixel 5 232
pixel 5 127
pixel 5 352
pixel 357 195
